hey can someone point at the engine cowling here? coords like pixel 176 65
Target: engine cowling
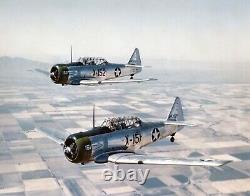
pixel 59 74
pixel 77 150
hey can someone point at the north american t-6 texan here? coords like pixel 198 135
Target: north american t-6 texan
pixel 118 139
pixel 95 70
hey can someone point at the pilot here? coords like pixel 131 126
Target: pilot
pixel 138 122
pixel 92 62
pixel 84 61
pixel 118 127
pixel 123 125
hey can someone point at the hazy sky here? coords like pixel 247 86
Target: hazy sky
pixel 212 30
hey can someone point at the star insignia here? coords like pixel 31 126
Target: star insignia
pixel 155 134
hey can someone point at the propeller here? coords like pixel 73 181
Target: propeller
pixel 54 74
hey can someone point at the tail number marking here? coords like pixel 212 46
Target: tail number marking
pixel 99 72
pixel 135 139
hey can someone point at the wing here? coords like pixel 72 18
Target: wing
pixel 46 73
pixel 130 158
pixel 54 134
pixel 96 82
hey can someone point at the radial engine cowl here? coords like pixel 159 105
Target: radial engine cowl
pixel 77 150
pixel 59 74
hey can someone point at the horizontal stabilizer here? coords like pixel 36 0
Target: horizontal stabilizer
pixel 136 66
pixel 139 66
pixel 179 123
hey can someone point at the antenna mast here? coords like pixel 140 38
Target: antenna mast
pixel 94 116
pixel 71 54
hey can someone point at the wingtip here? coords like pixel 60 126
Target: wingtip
pixel 151 79
pixel 225 162
pixel 216 163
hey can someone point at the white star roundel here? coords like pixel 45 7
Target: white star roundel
pixel 117 72
pixel 155 134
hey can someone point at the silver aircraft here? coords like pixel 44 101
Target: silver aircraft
pixel 118 139
pixel 95 70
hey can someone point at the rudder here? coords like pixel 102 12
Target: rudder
pixel 135 58
pixel 176 113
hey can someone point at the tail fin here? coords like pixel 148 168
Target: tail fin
pixel 135 58
pixel 176 113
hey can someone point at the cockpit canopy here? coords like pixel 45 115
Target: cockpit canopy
pixel 122 123
pixel 92 61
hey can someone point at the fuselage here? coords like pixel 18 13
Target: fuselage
pixel 131 139
pixel 98 141
pixel 73 73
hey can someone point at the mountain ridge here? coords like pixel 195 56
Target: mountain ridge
pixel 20 61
